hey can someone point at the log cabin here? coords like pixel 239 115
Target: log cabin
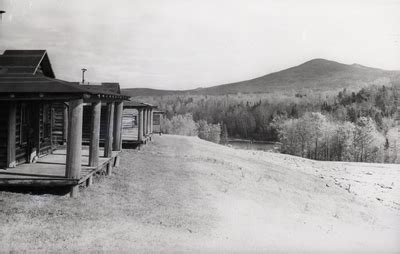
pixel 137 122
pixel 39 114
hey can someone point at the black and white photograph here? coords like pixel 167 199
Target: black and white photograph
pixel 200 126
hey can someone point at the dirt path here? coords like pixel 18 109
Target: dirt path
pixel 185 194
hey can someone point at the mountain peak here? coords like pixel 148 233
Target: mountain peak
pixel 358 65
pixel 316 60
pixel 322 61
pixel 316 74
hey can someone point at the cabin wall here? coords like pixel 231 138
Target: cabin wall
pixel 45 127
pixel 3 133
pixel 58 122
pixel 36 123
pixel 20 153
pixel 34 128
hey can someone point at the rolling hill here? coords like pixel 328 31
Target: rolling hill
pixel 316 74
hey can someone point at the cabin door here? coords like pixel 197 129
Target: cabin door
pixel 29 131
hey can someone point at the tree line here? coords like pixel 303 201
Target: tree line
pixel 346 125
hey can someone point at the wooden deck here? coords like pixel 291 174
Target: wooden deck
pixel 50 170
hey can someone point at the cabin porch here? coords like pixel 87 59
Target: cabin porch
pixel 50 164
pixel 50 170
pixel 38 113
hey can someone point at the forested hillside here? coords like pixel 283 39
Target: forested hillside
pixel 344 125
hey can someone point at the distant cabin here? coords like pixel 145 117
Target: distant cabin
pixel 137 126
pixel 137 122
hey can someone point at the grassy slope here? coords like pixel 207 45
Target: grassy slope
pixel 181 193
pixel 317 74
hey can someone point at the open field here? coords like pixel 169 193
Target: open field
pixel 186 194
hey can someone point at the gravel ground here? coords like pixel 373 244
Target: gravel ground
pixel 183 194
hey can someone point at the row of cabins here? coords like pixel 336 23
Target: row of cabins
pixel 59 133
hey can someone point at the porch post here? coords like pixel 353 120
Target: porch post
pixel 95 134
pixel 148 121
pixel 108 142
pixel 146 117
pixel 117 144
pixel 140 124
pixel 12 116
pixel 74 144
pixel 151 121
pixel 65 126
pixel 144 123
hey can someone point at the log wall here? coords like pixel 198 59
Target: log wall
pixel 3 133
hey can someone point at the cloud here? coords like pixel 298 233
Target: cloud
pixel 183 43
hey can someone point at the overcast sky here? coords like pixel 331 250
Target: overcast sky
pixel 182 44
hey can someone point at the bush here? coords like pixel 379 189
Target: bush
pixel 210 132
pixel 180 125
pixel 186 126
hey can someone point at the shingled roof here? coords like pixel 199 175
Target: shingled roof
pixel 42 84
pixel 26 62
pixel 137 104
pixel 111 87
pixel 29 71
pixel 11 83
pixel 102 89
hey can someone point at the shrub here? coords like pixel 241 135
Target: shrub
pixel 180 125
pixel 210 132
